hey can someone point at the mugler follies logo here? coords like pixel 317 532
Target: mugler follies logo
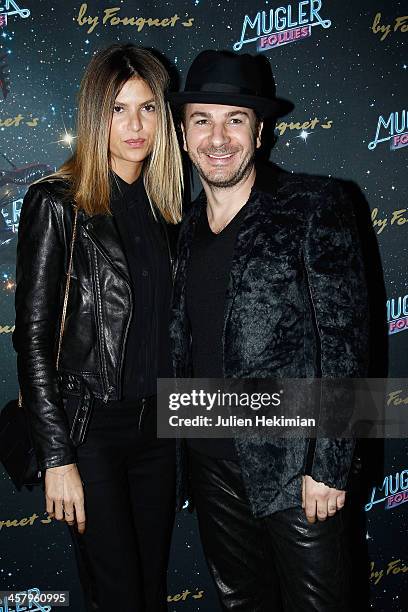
pixel 393 491
pixel 281 25
pixel 393 128
pixel 9 8
pixel 397 314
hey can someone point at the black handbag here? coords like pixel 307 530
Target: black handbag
pixel 16 448
pixel 17 453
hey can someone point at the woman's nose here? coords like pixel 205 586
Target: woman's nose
pixel 135 122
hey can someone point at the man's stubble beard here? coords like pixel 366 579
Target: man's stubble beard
pixel 242 172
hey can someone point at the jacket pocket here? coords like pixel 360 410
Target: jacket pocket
pixel 79 413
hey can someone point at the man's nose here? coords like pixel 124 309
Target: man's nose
pixel 219 135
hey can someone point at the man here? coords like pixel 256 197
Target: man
pixel 270 283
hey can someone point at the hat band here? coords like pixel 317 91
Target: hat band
pixel 223 88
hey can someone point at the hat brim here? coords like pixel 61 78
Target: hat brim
pixel 265 107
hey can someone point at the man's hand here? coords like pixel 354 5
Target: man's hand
pixel 320 500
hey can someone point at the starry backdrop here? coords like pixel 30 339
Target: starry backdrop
pixel 342 79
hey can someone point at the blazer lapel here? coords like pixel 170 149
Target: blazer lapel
pixel 179 326
pixel 243 247
pixel 266 181
pixel 186 242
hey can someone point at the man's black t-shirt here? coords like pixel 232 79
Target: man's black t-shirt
pixel 207 283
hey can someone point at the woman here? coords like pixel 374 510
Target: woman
pixel 94 420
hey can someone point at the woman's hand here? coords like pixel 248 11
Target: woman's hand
pixel 64 495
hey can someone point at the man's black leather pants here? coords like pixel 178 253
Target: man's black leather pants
pixel 273 564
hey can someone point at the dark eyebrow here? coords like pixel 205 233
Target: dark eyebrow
pixel 148 102
pixel 200 114
pixel 142 104
pixel 230 114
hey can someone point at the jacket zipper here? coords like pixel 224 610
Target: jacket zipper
pixel 107 394
pixel 109 388
pixel 122 352
pixel 100 321
pixel 141 413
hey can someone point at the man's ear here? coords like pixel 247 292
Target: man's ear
pixel 258 136
pixel 183 131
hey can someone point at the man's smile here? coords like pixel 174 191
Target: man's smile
pixel 220 159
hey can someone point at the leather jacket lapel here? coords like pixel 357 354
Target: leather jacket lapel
pixel 104 234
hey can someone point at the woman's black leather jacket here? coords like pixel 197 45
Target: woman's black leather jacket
pixel 98 316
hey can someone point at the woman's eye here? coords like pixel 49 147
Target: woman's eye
pixel 150 108
pixel 117 108
pixel 235 121
pixel 201 122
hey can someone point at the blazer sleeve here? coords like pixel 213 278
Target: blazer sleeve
pixel 338 292
pixel 40 277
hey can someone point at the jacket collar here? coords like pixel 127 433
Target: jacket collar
pixel 102 229
pixel 268 178
pixel 104 234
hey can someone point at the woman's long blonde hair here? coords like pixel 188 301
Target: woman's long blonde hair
pixel 87 170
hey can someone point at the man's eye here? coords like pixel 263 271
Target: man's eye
pixel 234 120
pixel 201 121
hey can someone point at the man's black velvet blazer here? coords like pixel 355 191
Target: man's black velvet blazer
pixel 296 306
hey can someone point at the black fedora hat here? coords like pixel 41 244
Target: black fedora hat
pixel 223 77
